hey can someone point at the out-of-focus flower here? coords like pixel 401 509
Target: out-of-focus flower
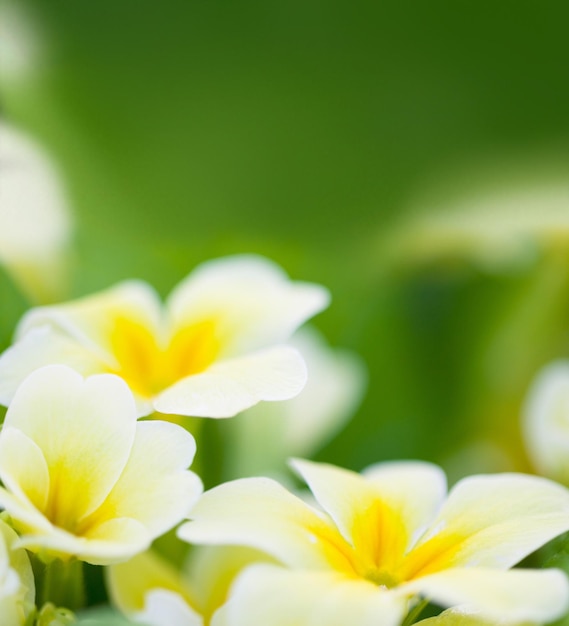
pixel 263 437
pixel 22 45
pixel 149 590
pixel 213 350
pixel 82 477
pixel 383 540
pixel 498 222
pixel 546 422
pixel 17 587
pixel 35 223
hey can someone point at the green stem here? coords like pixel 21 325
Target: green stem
pixel 415 612
pixel 62 583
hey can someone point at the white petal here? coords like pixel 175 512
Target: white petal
pixel 546 421
pixel 20 563
pixel 251 299
pixel 260 513
pixel 492 521
pixel 84 429
pixel 90 321
pixel 265 595
pixel 43 346
pixel 155 487
pixel 462 617
pixel 229 387
pixel 167 608
pixel 384 508
pixel 513 596
pixel 115 540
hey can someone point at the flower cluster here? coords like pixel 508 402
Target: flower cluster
pixel 102 396
pixel 85 479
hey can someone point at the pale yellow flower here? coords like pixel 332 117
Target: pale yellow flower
pixel 214 349
pixel 384 539
pixel 458 617
pixel 17 587
pixel 82 477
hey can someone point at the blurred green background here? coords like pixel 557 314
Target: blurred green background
pixel 305 131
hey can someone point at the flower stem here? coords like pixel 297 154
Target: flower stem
pixel 415 612
pixel 62 584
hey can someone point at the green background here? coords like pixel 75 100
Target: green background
pixel 303 130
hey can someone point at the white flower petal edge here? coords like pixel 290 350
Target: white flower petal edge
pixel 463 617
pixel 257 305
pixel 89 480
pixel 234 385
pixel 512 596
pixel 546 421
pixel 260 513
pixel 265 595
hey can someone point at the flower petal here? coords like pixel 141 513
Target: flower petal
pixel 130 581
pixel 84 429
pixel 546 421
pixel 90 320
pixel 266 595
pixel 382 511
pixel 112 541
pixel 39 347
pixel 251 299
pixel 260 513
pixel 155 487
pixel 231 386
pixel 491 521
pixel 167 608
pixel 513 596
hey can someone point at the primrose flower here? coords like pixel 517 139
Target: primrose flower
pixel 17 587
pixel 214 349
pixel 546 422
pixel 384 539
pixel 82 477
pixel 35 223
pixel 264 437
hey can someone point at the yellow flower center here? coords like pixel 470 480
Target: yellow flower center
pixel 380 549
pixel 150 367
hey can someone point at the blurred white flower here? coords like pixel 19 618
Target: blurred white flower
pixel 22 44
pixel 35 223
pixel 546 422
pixel 382 540
pixel 214 349
pixel 82 477
pixel 263 437
pixel 17 587
pixel 499 218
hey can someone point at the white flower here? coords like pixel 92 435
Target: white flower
pixel 384 539
pixel 214 349
pixel 82 476
pixel 546 422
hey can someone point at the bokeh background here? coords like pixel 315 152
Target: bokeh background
pixel 412 157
